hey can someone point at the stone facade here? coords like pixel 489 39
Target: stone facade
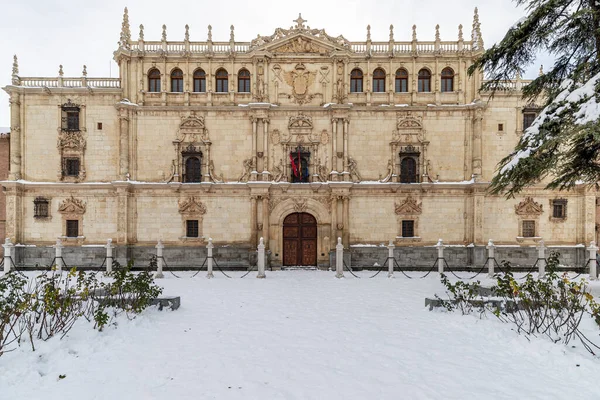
pixel 392 141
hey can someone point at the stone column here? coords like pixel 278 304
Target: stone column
pixel 440 257
pixel 334 158
pixel 254 139
pixel 593 249
pixel 391 259
pixel 261 259
pixel 159 260
pixel 491 258
pixel 8 262
pixel 541 261
pixel 209 259
pixel 346 172
pixel 123 144
pixel 346 216
pixel 109 255
pixel 59 262
pixel 477 133
pixel 265 218
pixel 339 259
pixel 253 219
pixel 265 149
pixel 334 207
pixel 15 137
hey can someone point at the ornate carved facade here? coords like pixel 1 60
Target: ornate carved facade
pixel 364 136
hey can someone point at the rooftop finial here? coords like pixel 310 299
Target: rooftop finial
pixel 368 32
pixel 210 33
pixel 476 37
pixel 391 33
pixel 84 72
pixel 437 33
pixel 414 35
pixel 460 32
pixel 542 70
pixel 164 33
pixel 15 71
pixel 125 32
pixel 60 70
pixel 300 22
pixel 141 32
pixel 231 34
pixel 187 33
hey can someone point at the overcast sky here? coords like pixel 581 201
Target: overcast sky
pixel 47 33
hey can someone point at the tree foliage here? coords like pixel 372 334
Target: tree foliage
pixel 563 142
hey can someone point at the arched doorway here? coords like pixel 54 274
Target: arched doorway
pixel 299 239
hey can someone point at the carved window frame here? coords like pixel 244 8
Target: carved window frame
pixel 71 143
pixel 72 209
pixel 561 203
pixel 188 153
pixel 41 208
pixel 531 211
pixel 409 210
pixel 410 152
pixel 192 209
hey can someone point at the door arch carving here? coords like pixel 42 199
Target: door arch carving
pixel 300 239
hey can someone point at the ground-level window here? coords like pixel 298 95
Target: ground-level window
pixel 72 228
pixel 408 228
pixel 40 207
pixel 191 228
pixel 528 228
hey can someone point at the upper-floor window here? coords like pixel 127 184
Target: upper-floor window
pixel 447 80
pixel 199 80
pixel 356 81
pixel 424 80
pixel 177 80
pixel 222 79
pixel 299 163
pixel 154 80
pixel 192 169
pixel 71 166
pixel 528 119
pixel 408 170
pixel 559 208
pixel 401 81
pixel 70 117
pixel 244 81
pixel 379 80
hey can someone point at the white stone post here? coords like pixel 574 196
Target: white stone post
pixel 440 258
pixel 390 259
pixel 58 255
pixel 209 249
pixel 261 259
pixel 159 260
pixel 541 259
pixel 593 249
pixel 339 259
pixel 490 248
pixel 109 255
pixel 8 246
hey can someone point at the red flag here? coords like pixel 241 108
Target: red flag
pixel 299 165
pixel 294 168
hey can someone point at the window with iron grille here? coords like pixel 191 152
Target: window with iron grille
pixel 528 119
pixel 72 228
pixel 191 228
pixel 408 228
pixel 408 170
pixel 559 208
pixel 193 171
pixel 70 117
pixel 528 228
pixel 40 208
pixel 71 166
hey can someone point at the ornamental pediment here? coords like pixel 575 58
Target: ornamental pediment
pixel 300 44
pixel 192 206
pixel 408 207
pixel 72 206
pixel 529 207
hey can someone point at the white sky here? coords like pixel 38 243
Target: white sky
pixel 47 33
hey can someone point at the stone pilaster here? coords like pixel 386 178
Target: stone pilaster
pixel 123 144
pixel 476 149
pixel 15 137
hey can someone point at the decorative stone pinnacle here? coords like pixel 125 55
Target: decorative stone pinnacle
pixel 84 72
pixel 164 33
pixel 187 33
pixel 210 33
pixel 15 69
pixel 391 33
pixel 141 32
pixel 541 70
pixel 460 32
pixel 60 70
pixel 368 32
pixel 437 33
pixel 125 31
pixel 414 32
pixel 300 21
pixel 231 34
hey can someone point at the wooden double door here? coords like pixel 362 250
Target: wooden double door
pixel 300 240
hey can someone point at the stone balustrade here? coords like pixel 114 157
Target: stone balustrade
pixel 83 82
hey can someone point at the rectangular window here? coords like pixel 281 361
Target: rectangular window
pixel 191 228
pixel 528 119
pixel 222 86
pixel 71 166
pixel 99 126
pixel 408 228
pixel 424 85
pixel 559 208
pixel 401 85
pixel 500 127
pixel 528 228
pixel 244 86
pixel 177 85
pixel 356 85
pixel 40 208
pixel 72 228
pixel 73 120
pixel 199 85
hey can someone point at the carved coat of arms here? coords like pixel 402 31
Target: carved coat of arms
pixel 300 80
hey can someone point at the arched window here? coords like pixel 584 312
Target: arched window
pixel 199 80
pixel 379 81
pixel 222 81
pixel 447 80
pixel 401 81
pixel 408 170
pixel 356 81
pixel 244 81
pixel 154 80
pixel 424 80
pixel 192 170
pixel 177 80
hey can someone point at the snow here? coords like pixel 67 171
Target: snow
pixel 300 335
pixel 128 103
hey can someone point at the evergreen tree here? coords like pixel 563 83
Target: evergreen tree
pixel 563 142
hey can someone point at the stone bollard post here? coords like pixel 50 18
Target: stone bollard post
pixel 209 249
pixel 491 257
pixel 391 259
pixel 440 259
pixel 339 259
pixel 593 249
pixel 109 255
pixel 261 259
pixel 541 259
pixel 8 246
pixel 58 255
pixel 159 259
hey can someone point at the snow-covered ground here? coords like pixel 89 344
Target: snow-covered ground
pixel 301 335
